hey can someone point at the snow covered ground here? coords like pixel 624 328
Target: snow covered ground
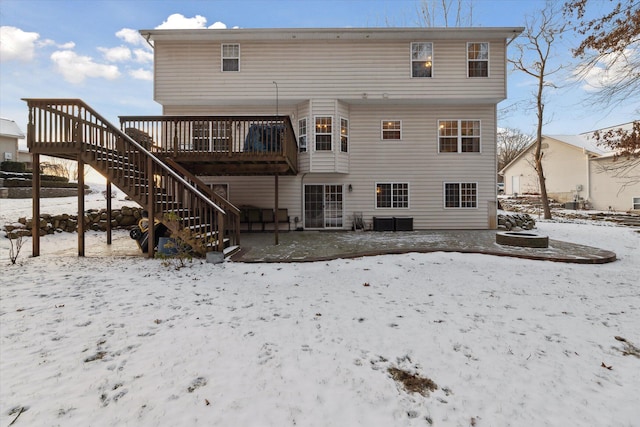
pixel 118 340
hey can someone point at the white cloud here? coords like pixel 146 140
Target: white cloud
pixel 68 45
pixel 218 25
pixel 143 55
pixel 16 44
pixel 116 54
pixel 608 71
pixel 76 68
pixel 179 21
pixel 132 37
pixel 46 42
pixel 141 74
pixel 49 42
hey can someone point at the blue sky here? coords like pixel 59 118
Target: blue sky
pixel 89 49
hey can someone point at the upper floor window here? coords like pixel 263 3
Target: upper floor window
pixel 230 57
pixel 344 135
pixel 392 129
pixel 302 135
pixel 478 59
pixel 459 136
pixel 392 195
pixel 421 59
pixel 460 195
pixel 324 130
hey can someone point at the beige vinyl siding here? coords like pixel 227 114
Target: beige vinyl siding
pixel 259 191
pixel 231 110
pixel 415 160
pixel 188 73
pixel 609 191
pixel 364 81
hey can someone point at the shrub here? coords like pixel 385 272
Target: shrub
pixel 185 244
pixel 13 166
pixel 55 178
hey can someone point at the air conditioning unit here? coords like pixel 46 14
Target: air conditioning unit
pixel 8 156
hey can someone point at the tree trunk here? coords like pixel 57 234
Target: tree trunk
pixel 543 188
pixel 538 154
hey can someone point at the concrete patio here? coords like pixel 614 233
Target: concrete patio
pixel 305 246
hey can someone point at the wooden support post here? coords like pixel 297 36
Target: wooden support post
pixel 80 207
pixel 35 194
pixel 108 196
pixel 151 207
pixel 276 211
pixel 221 232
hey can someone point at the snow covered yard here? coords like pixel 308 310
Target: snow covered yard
pixel 112 340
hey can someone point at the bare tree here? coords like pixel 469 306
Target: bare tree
pixel 609 52
pixel 511 142
pixel 54 168
pixel 610 64
pixel 62 167
pixel 445 13
pixel 533 58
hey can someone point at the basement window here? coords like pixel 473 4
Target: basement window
pixel 460 195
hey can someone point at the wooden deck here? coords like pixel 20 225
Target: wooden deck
pixel 219 145
pixel 71 129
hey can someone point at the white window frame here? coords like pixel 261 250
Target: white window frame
pixel 635 203
pixel 425 59
pixel 316 133
pixel 223 57
pixel 460 195
pixel 383 130
pixel 469 60
pixel 459 136
pixel 215 134
pixel 303 140
pixel 225 185
pixel 344 135
pixel 394 195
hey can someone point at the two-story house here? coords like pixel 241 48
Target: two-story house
pixel 390 122
pixel 383 128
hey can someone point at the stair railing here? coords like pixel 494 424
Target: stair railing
pixel 71 126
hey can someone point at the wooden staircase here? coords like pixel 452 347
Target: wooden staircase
pixel 69 128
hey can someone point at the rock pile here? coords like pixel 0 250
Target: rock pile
pixel 94 219
pixel 511 221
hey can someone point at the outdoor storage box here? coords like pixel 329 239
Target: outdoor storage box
pixel 382 223
pixel 402 223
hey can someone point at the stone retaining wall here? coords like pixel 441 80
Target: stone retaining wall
pixel 96 220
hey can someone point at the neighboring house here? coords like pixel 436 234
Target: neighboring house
pixel 576 169
pixel 10 133
pixel 24 156
pixel 390 122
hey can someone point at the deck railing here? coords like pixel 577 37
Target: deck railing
pixel 235 137
pixel 69 127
